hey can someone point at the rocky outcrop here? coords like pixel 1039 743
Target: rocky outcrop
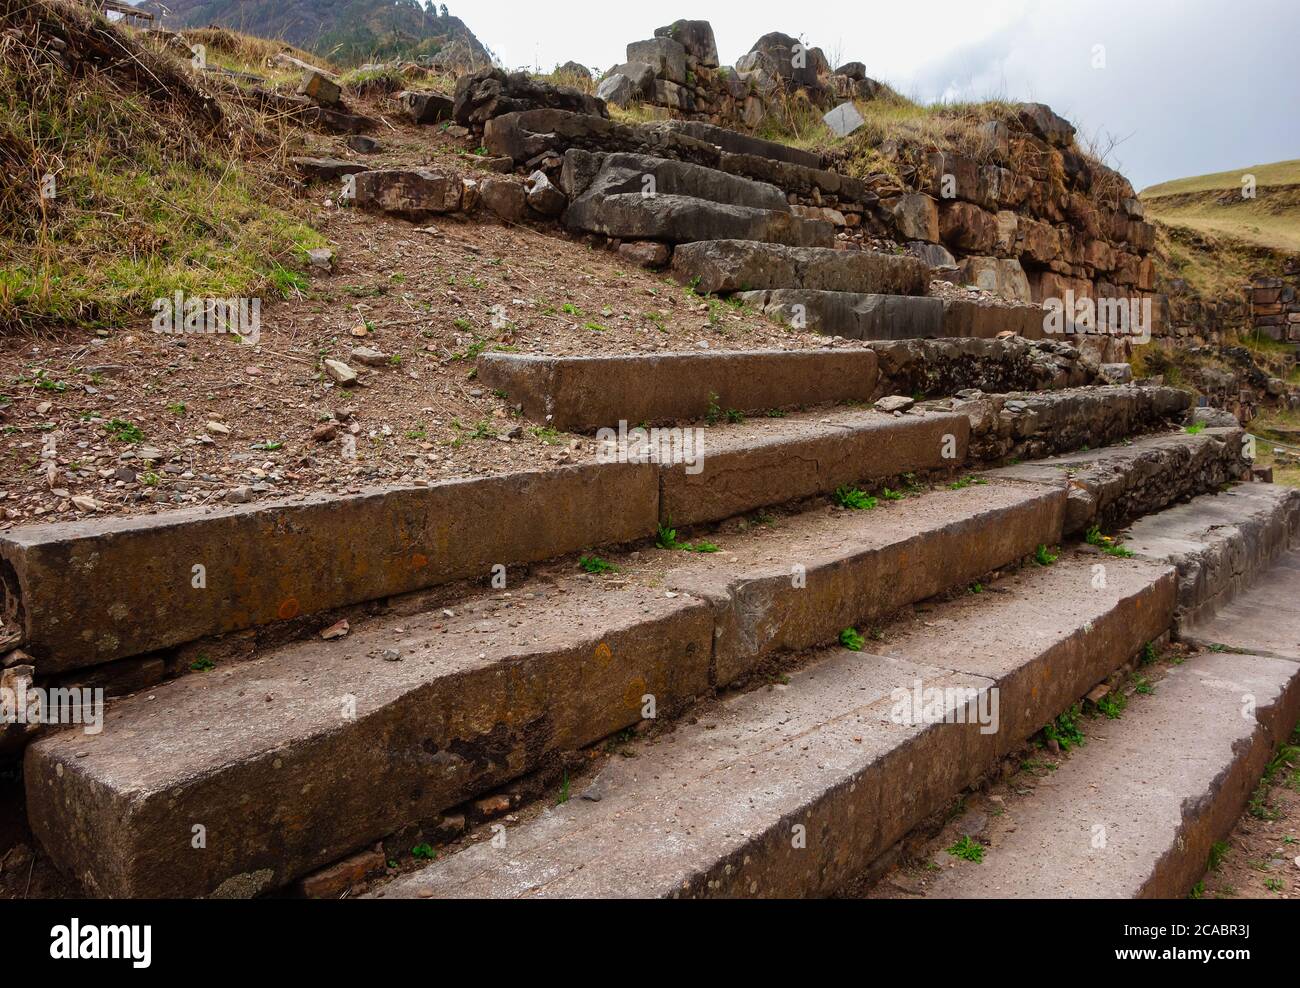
pixel 489 93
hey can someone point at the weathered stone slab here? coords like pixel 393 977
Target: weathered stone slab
pixel 413 193
pixel 859 567
pixel 649 176
pixel 326 169
pixel 853 315
pixel 1161 817
pixel 134 578
pixel 1220 543
pixel 426 107
pixel 1263 619
pixel 764 463
pixel 824 752
pixel 734 142
pixel 741 265
pixel 586 393
pixel 681 219
pixel 280 758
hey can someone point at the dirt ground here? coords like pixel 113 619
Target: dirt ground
pixel 137 421
pixel 1260 859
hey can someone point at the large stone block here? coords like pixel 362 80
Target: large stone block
pixel 412 194
pixel 739 265
pixel 138 589
pixel 696 37
pixel 586 393
pixel 967 228
pixel 666 55
pixel 917 218
pixel 279 758
pixel 681 219
pixel 744 469
pixel 853 315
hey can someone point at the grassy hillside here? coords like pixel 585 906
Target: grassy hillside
pixel 1213 204
pixel 345 31
pixel 155 184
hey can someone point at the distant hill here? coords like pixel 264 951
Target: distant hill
pixel 344 31
pixel 1214 204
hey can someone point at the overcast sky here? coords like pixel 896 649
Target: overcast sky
pixel 1188 86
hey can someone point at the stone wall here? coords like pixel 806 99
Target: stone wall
pixel 1027 215
pixel 1274 305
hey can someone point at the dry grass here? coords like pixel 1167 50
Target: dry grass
pixel 1214 205
pixel 151 193
pixel 1214 266
pixel 1266 176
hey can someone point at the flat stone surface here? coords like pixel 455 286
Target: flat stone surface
pixel 791 790
pixel 1220 543
pixel 860 566
pixel 740 265
pixel 1265 619
pixel 765 462
pixel 1135 812
pixel 853 315
pixel 681 219
pixel 586 393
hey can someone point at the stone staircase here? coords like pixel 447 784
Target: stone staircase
pixel 298 752
pixel 1137 811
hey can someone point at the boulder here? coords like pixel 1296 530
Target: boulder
pixel 666 55
pixel 645 253
pixel 412 194
pixel 696 37
pixel 545 197
pixel 640 74
pixel 491 92
pixel 616 89
pixel 575 69
pixel 968 228
pixel 1040 119
pixel 852 70
pixel 503 198
pixel 917 217
pixel 794 61
pixel 424 107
